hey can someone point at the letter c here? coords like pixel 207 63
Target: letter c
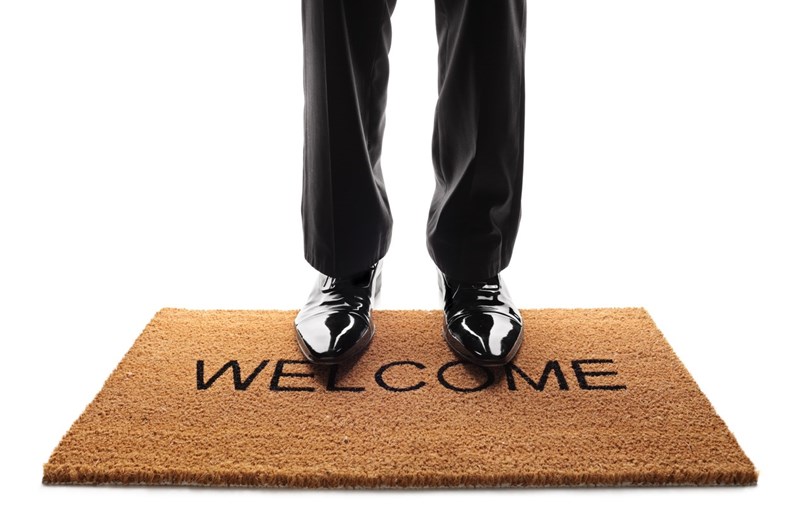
pixel 380 372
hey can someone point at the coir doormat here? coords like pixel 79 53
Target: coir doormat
pixel 595 397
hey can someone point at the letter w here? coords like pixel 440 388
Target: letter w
pixel 239 384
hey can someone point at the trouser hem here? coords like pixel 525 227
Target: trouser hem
pixel 349 267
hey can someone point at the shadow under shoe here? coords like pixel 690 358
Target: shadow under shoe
pixel 335 325
pixel 481 324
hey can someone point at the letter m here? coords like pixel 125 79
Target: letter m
pixel 239 384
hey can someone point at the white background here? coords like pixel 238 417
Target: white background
pixel 151 156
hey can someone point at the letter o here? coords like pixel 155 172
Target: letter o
pixel 480 387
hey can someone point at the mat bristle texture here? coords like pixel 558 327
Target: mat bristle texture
pixel 616 407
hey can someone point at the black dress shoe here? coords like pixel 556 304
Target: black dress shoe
pixel 335 324
pixel 481 324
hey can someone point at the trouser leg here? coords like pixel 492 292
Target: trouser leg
pixel 477 144
pixel 345 211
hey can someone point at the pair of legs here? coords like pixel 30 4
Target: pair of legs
pixel 477 142
pixel 477 153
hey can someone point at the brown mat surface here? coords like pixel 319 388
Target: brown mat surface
pixel 595 397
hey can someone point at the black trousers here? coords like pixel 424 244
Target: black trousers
pixel 477 142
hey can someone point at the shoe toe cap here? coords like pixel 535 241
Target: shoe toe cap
pixel 487 338
pixel 332 337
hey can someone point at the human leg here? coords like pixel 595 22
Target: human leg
pixel 477 152
pixel 345 210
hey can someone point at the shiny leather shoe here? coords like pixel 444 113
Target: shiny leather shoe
pixel 335 324
pixel 481 324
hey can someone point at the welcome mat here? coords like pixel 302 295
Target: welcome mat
pixel 225 398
